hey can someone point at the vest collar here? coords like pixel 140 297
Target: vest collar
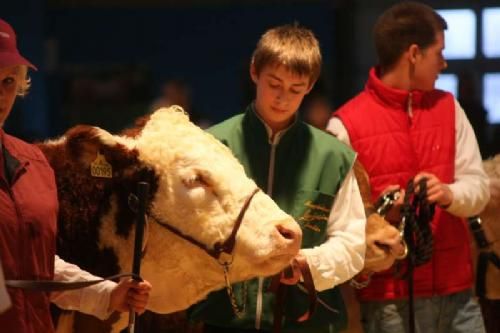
pixel 279 135
pixel 11 164
pixel 389 96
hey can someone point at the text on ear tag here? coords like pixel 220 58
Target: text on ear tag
pixel 100 167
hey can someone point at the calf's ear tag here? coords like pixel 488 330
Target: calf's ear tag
pixel 100 167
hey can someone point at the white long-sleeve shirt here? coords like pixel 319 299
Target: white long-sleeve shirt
pixel 471 185
pixel 342 255
pixel 93 300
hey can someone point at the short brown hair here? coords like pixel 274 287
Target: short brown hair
pixel 404 24
pixel 292 46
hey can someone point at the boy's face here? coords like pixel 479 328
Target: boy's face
pixel 279 94
pixel 428 64
pixel 9 82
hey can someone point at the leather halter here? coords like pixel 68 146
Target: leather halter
pixel 227 246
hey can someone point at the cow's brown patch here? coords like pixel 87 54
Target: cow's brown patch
pixel 85 199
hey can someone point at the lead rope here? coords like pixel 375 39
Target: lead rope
pixel 307 287
pixel 415 225
pixel 51 286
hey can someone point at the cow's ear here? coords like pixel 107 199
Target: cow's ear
pixel 93 146
pixel 135 130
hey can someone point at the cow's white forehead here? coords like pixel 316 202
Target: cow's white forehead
pixel 169 135
pixel 179 151
pixel 173 124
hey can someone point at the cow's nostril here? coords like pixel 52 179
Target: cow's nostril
pixel 285 232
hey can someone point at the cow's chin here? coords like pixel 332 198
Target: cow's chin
pixel 269 266
pixel 193 289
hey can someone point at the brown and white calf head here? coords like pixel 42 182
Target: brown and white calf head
pixel 381 236
pixel 197 187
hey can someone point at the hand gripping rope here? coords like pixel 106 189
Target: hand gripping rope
pixel 415 226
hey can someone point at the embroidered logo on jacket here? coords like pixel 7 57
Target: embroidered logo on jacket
pixel 314 214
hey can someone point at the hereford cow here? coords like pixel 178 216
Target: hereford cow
pixel 197 187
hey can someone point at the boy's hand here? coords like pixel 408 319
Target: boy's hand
pixel 437 192
pixel 130 295
pixel 393 215
pixel 292 274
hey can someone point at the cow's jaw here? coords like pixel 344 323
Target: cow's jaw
pixel 178 280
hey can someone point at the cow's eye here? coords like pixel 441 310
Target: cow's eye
pixel 195 181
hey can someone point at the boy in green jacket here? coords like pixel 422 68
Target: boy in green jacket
pixel 309 175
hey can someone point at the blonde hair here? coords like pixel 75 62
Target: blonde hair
pixel 23 79
pixel 292 46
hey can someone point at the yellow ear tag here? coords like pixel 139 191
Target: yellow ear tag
pixel 100 167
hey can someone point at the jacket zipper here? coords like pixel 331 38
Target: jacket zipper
pixel 269 191
pixel 22 225
pixel 409 106
pixel 8 185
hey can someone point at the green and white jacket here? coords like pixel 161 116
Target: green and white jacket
pixel 308 173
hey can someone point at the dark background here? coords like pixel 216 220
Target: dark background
pixel 103 62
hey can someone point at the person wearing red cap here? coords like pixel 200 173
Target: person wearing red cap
pixel 28 220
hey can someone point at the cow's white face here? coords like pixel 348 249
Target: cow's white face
pixel 198 187
pixel 201 190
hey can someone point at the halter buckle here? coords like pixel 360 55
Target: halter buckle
pixel 225 259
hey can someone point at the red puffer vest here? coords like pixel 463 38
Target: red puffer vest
pixel 28 215
pixel 394 147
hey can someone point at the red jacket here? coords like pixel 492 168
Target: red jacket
pixel 28 219
pixel 394 147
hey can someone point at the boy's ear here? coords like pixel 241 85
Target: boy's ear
pixel 253 73
pixel 413 51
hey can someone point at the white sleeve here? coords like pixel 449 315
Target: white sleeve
pixel 342 255
pixel 470 188
pixel 4 295
pixel 92 300
pixel 337 128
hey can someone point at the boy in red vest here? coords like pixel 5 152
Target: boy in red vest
pixel 404 128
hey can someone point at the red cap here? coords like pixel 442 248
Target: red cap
pixel 9 55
